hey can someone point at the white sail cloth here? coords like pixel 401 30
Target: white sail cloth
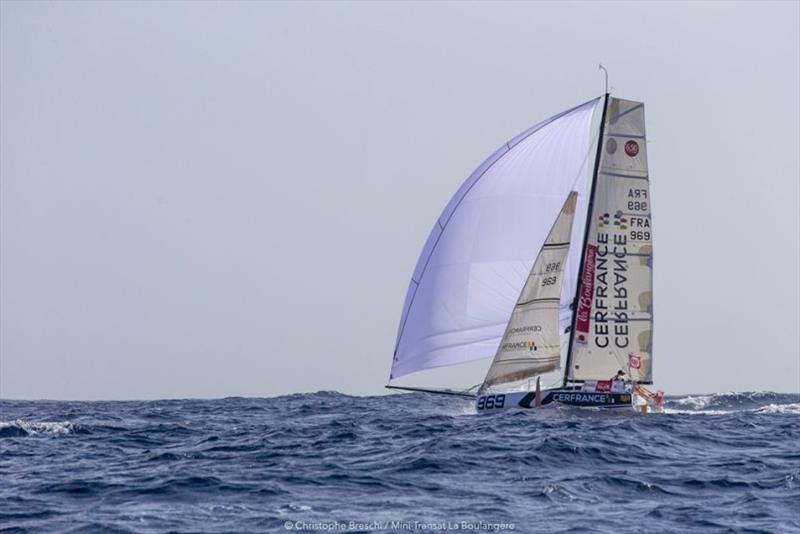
pixel 480 251
pixel 531 344
pixel 614 320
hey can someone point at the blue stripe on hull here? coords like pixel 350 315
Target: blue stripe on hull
pixel 566 397
pixel 571 397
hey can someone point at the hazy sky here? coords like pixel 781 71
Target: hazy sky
pixel 205 199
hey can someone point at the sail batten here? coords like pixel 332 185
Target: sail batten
pixel 481 248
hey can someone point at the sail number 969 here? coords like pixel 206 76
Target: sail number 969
pixel 551 268
pixel 491 401
pixel 637 205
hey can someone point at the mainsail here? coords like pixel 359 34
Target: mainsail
pixel 480 251
pixel 613 326
pixel 531 344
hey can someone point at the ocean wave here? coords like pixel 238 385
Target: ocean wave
pixel 780 408
pixel 672 411
pixel 20 428
pixel 730 401
pixel 694 402
pixel 157 466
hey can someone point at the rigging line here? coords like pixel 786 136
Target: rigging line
pixel 434 391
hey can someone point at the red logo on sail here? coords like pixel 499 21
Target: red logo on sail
pixel 634 361
pixel 585 297
pixel 632 148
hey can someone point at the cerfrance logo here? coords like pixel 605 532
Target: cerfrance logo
pixel 531 346
pixel 632 148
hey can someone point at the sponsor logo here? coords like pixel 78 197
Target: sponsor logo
pixel 634 361
pixel 611 145
pixel 530 346
pixel 525 329
pixel 603 385
pixel 632 148
pixel 585 296
pixel 610 302
pixel 583 398
pixel 619 220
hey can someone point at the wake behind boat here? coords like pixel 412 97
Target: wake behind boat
pixel 499 276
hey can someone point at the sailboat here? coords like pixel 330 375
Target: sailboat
pixel 543 261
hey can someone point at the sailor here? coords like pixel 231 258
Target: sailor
pixel 620 376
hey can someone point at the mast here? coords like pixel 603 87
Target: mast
pixel 589 221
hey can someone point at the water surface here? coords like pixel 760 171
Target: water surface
pixel 713 463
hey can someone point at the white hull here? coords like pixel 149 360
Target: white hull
pixel 564 396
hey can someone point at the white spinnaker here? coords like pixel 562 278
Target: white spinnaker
pixel 531 344
pixel 480 251
pixel 614 322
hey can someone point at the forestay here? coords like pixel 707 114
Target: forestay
pixel 481 249
pixel 531 344
pixel 614 320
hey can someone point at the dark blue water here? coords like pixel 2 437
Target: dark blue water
pixel 317 462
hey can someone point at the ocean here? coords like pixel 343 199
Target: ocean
pixel 328 462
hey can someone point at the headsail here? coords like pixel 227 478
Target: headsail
pixel 479 253
pixel 531 344
pixel 613 327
